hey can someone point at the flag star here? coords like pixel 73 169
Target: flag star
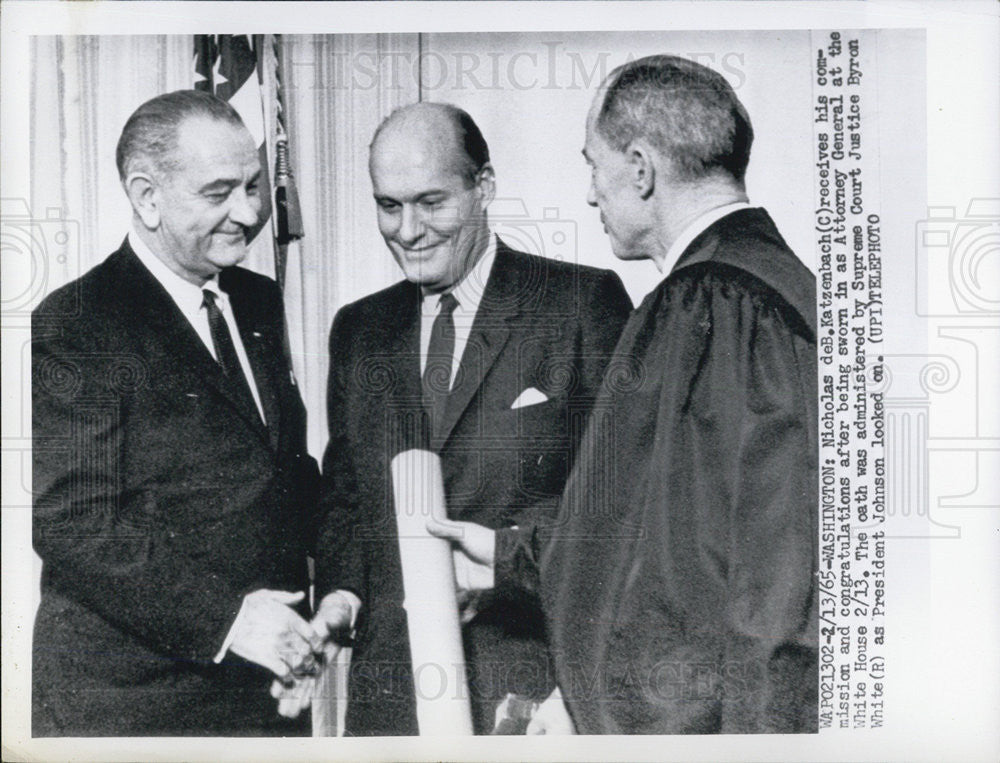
pixel 217 78
pixel 198 76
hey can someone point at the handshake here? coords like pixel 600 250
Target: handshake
pixel 270 633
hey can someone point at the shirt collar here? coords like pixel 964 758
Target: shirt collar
pixel 695 229
pixel 469 291
pixel 187 295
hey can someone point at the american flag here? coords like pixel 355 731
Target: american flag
pixel 230 67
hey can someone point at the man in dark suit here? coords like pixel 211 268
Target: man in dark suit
pixel 680 583
pixel 490 357
pixel 171 477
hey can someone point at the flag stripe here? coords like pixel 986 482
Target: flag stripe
pixel 247 101
pixel 237 64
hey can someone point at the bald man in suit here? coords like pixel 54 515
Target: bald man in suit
pixel 488 356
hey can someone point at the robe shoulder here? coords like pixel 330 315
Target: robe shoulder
pixel 720 286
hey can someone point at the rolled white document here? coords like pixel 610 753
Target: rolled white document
pixel 329 702
pixel 442 691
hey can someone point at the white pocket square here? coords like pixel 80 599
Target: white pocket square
pixel 531 396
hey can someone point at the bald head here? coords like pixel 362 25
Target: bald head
pixel 440 132
pixel 432 181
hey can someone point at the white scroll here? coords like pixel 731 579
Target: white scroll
pixel 439 679
pixel 329 703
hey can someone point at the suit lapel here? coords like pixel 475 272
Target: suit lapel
pixel 174 335
pixel 253 332
pixel 402 406
pixel 404 347
pixel 489 335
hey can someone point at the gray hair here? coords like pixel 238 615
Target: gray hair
pixel 686 111
pixel 149 138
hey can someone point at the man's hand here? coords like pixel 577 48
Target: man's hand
pixel 269 633
pixel 334 617
pixel 294 697
pixel 474 552
pixel 552 717
pixel 475 541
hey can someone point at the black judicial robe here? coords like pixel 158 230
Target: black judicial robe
pixel 679 582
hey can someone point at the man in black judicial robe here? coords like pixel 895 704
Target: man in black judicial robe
pixel 679 584
pixel 685 601
pixel 679 580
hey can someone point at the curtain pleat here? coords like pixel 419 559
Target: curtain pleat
pixel 332 113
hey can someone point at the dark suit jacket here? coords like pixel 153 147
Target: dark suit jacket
pixel 541 324
pixel 160 501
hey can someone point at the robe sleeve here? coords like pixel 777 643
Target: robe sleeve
pixel 517 550
pixel 516 558
pixel 746 440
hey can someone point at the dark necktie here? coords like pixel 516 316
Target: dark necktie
pixel 440 355
pixel 225 350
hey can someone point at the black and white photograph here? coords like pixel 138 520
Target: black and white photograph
pixel 395 377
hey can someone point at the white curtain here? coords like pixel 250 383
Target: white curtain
pixel 332 112
pixel 83 90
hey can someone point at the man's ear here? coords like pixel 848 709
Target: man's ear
pixel 642 169
pixel 142 193
pixel 486 183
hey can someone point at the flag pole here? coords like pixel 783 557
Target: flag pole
pixel 286 198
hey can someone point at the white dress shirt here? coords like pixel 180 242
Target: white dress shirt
pixel 469 293
pixel 189 299
pixel 695 229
